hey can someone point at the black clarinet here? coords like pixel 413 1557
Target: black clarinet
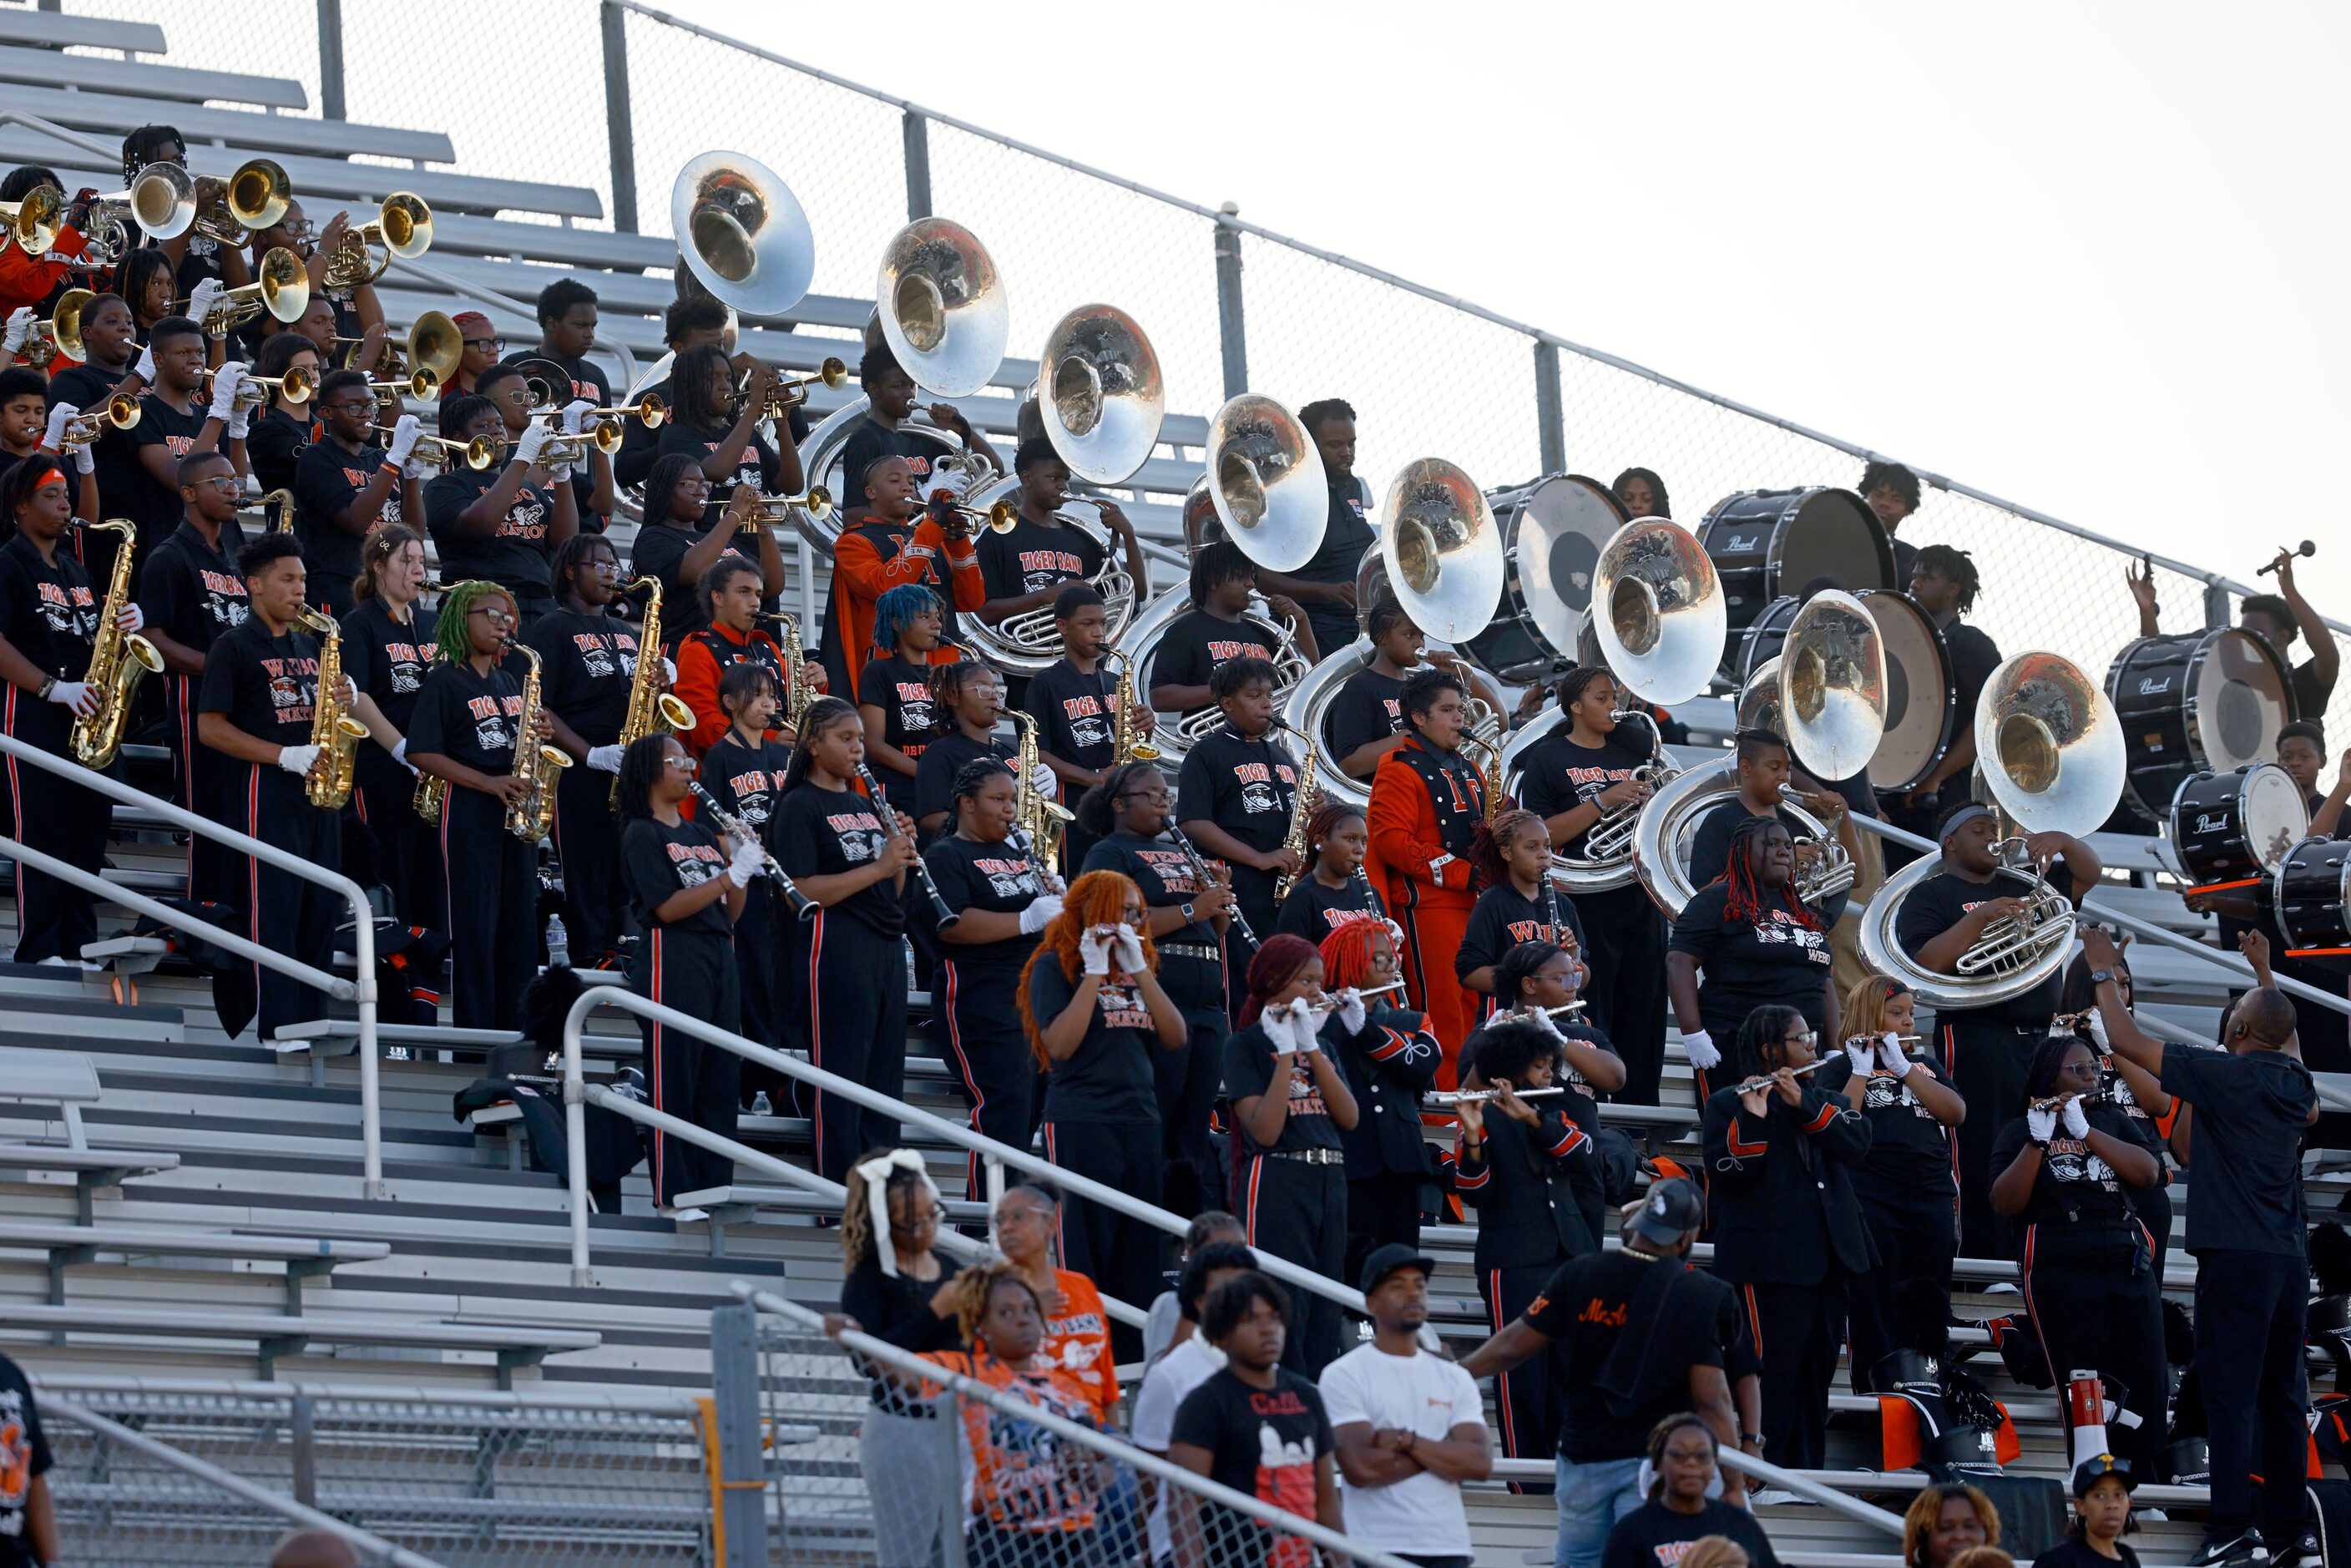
pixel 946 916
pixel 1200 879
pixel 741 832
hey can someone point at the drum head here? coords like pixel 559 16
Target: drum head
pixel 1556 528
pixel 1832 540
pixel 2238 700
pixel 2277 818
pixel 1760 643
pixel 1920 699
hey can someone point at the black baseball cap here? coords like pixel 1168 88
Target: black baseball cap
pixel 2090 1472
pixel 1385 1260
pixel 1672 1209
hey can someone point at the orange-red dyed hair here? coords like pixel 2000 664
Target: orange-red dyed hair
pixel 1097 898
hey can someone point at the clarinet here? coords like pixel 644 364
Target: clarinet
pixel 1026 842
pixel 1200 879
pixel 946 916
pixel 741 832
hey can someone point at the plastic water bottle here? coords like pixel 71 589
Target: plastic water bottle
pixel 559 942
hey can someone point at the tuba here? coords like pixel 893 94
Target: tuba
pixel 1666 829
pixel 1043 820
pixel 942 307
pixel 2052 760
pixel 333 731
pixel 651 709
pixel 540 767
pixel 1027 642
pixel 119 661
pixel 742 233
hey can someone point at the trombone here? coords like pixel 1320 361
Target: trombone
pixel 771 510
pixel 120 411
pixel 33 223
pixel 403 229
pixel 283 290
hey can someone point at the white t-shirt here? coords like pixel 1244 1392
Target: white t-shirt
pixel 1171 1377
pixel 1421 1392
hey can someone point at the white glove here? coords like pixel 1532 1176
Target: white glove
pixel 85 457
pixel 669 671
pixel 1395 937
pixel 130 618
pixel 559 475
pixel 605 758
pixel 1130 950
pixel 404 440
pixel 399 755
pixel 2042 1124
pixel 20 328
pixel 76 697
pixel 532 443
pixel 1699 1049
pixel 1352 1016
pixel 575 414
pixel 240 420
pixel 2077 1120
pixel 1305 1028
pixel 1040 913
pixel 225 383
pixel 1094 950
pixel 1861 1054
pixel 1041 779
pixel 145 369
pixel 1889 1051
pixel 747 863
pixel 424 465
pixel 55 439
pixel 208 295
pixel 1542 1020
pixel 296 759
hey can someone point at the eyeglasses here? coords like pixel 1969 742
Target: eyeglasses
pixel 1159 794
pixel 497 617
pixel 226 484
pixel 487 345
pixel 685 762
pixel 1810 1037
pixel 1008 1217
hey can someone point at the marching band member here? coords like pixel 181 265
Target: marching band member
pixel 1123 817
pixel 1025 567
pixel 1239 788
pixel 685 886
pixel 48 622
pixel 1766 774
pixel 389 641
pixel 257 707
pixel 500 524
pixel 1390 1061
pixel 1001 900
pixel 1892 493
pixel 463 733
pixel 728 596
pixel 1095 1015
pixel 1212 634
pixel 1788 1232
pixel 1755 942
pixel 479 348
pixel 173 423
pixel 193 595
pixel 744 772
pixel 2149 1113
pixel 1333 892
pixel 567 331
pixel 276 440
pixel 844 968
pixel 1944 582
pixel 2283 615
pixel 1367 719
pixel 1427 801
pixel 28 281
pixel 683 537
pixel 1325 585
pixel 1642 494
pixel 895 700
pixel 1988 1048
pixel 723 433
pixel 588 672
pixel 1291 1102
pixel 1074 701
pixel 146 282
pixel 970 699
pixel 687 324
pixel 346 483
pixel 1541 980
pixel 108 348
pixel 890 394
pixel 1574 776
pixel 32 421
pixel 1519 904
pixel 898 540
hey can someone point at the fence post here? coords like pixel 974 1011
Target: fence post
pixel 735 1391
pixel 330 59
pixel 918 166
pixel 1232 335
pixel 1551 417
pixel 621 135
pixel 306 1453
pixel 2216 606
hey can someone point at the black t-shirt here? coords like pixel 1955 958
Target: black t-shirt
pixel 2252 1111
pixel 1313 911
pixel 269 687
pixel 47 610
pixel 1503 917
pixel 2311 690
pixel 868 445
pixel 1346 535
pixel 1108 1078
pixel 1556 775
pixel 514 555
pixel 1162 870
pixel 326 478
pixel 744 781
pixel 274 444
pixel 588 665
pixel 1745 963
pixel 1937 905
pixel 818 831
pixel 1196 643
pixel 1368 708
pixel 1251 1066
pixel 659 552
pixel 2076 1553
pixel 2076 1193
pixel 467 717
pixel 1974 656
pixel 1035 556
pixel 758 466
pixel 942 759
pixel 1264 1443
pixel 190 591
pixel 25 1458
pixel 658 861
pixel 86 386
pixel 1249 787
pixel 1654 1536
pixel 156 509
pixel 1908 1147
pixel 903 692
pixel 1906 556
pixel 1076 714
pixel 587 380
pixel 1710 849
pixel 387 660
pixel 996 879
pixel 1582 1309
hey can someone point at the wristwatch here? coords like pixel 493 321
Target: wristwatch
pixel 1747 1438
pixel 1189 918
pixel 2100 976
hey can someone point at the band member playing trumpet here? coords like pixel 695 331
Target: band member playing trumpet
pixel 1025 567
pixel 464 733
pixel 173 423
pixel 1744 940
pixel 1074 701
pixel 567 331
pixel 33 422
pixel 346 483
pixel 257 709
pixel 1988 1048
pixel 1333 891
pixel 744 772
pixel 898 540
pixel 389 641
pixel 276 438
pixel 1239 791
pixel 588 672
pixel 1519 904
pixel 970 699
pixel 723 434
pixel 1427 800
pixel 687 324
pixel 1325 585
pixel 894 699
pixel 193 595
pixel 48 625
pixel 1213 632
pixel 500 524
pixel 1367 715
pixel 1390 1061
pixel 108 348
pixel 728 598
pixel 890 394
pixel 683 537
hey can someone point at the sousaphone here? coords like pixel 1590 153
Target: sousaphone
pixel 742 233
pixel 944 312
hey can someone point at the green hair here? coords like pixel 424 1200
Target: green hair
pixel 457 606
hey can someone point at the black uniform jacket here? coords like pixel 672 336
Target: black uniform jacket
pixel 1388 1067
pixel 1781 1188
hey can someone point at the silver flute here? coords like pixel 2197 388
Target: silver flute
pixel 1480 1096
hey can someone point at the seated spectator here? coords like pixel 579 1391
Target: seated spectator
pixel 1681 1455
pixel 1170 1325
pixel 1945 1520
pixel 2102 1506
pixel 1191 1360
pixel 1077 1328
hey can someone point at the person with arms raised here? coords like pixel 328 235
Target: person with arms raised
pixel 174 422
pixel 346 483
pixel 500 523
pixel 1767 781
pixel 890 397
pixel 723 432
pixel 686 532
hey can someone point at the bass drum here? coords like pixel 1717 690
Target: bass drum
pixel 1770 544
pixel 1553 533
pixel 2197 701
pixel 2307 893
pixel 824 456
pixel 1922 701
pixel 2231 830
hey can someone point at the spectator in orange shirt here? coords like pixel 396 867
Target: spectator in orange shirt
pixel 897 541
pixel 1077 1328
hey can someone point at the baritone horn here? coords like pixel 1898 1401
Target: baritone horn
pixel 942 307
pixel 425 359
pixel 32 225
pixel 283 290
pixel 163 201
pixel 741 232
pixel 59 336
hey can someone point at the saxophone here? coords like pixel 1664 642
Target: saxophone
pixel 1124 747
pixel 118 660
pixel 651 709
pixel 431 794
pixel 1043 820
pixel 530 814
pixel 1301 808
pixel 796 696
pixel 333 731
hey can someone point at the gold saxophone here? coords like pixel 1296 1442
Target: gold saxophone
pixel 651 709
pixel 1491 774
pixel 334 732
pixel 1124 746
pixel 118 660
pixel 431 794
pixel 531 813
pixel 1043 820
pixel 1302 810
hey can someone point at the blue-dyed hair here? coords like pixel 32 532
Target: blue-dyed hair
pixel 896 609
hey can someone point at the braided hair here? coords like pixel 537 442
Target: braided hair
pixel 862 1232
pixel 2040 1073
pixel 1491 843
pixel 456 609
pixel 571 556
pixel 897 610
pixel 1761 1045
pixel 641 766
pixel 1660 507
pixel 1956 566
pixel 949 680
pixel 823 714
pixel 1748 898
pixel 141 146
pixel 1278 963
pixel 1347 953
pixel 970 780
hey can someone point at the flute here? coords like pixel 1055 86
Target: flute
pixel 1329 1001
pixel 946 916
pixel 1480 1096
pixel 1767 1081
pixel 741 832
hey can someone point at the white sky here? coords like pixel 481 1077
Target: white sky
pixel 2081 255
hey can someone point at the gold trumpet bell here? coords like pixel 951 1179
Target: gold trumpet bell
pixel 60 335
pixel 404 226
pixel 33 224
pixel 742 233
pixel 258 195
pixel 2052 746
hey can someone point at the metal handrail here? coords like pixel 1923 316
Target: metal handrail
pixel 1756 1471
pixel 90 144
pixel 360 989
pixel 1069 1183
pixel 488 295
pixel 375 1546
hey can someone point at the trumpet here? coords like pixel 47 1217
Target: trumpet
pixel 283 290
pixel 958 519
pixel 768 510
pixel 478 452
pixel 120 411
pixel 255 392
pixel 423 385
pixel 791 392
pixel 1480 1096
pixel 403 229
pixel 605 432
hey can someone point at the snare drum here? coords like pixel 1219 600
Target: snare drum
pixel 1768 543
pixel 2206 701
pixel 1922 700
pixel 1553 533
pixel 2231 830
pixel 2307 892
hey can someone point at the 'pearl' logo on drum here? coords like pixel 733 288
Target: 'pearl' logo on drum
pixel 2148 685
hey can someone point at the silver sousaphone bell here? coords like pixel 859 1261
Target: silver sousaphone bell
pixel 1659 612
pixel 1442 550
pixel 742 232
pixel 1102 394
pixel 1267 482
pixel 1833 685
pixel 943 308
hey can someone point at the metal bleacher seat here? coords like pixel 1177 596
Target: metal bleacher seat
pixel 178 84
pixel 277 1335
pixel 56 30
pixel 88 107
pixel 64 1082
pixel 304 1257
